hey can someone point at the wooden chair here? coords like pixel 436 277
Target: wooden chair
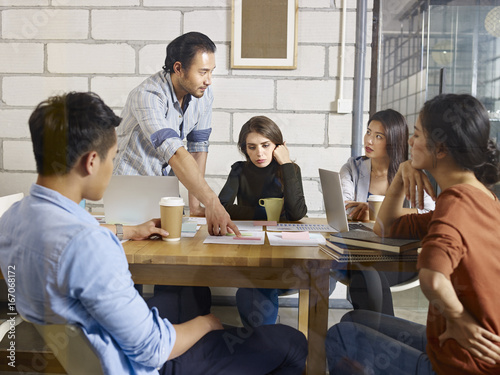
pixel 71 348
pixel 5 203
pixel 8 200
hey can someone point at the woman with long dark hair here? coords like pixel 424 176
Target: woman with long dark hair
pixel 268 172
pixel 386 147
pixel 460 259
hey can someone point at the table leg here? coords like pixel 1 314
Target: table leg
pixel 304 311
pixel 318 321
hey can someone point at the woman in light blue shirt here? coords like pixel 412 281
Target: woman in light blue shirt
pixel 386 147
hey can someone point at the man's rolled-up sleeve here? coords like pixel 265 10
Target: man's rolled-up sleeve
pixel 197 139
pixel 156 121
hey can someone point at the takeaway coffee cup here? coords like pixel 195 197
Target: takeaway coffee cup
pixel 273 208
pixel 171 210
pixel 374 203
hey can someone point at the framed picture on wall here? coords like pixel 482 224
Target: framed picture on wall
pixel 264 34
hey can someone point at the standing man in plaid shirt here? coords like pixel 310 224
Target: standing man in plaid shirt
pixel 171 105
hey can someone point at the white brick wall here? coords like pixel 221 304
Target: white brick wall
pixel 110 46
pixel 30 90
pixel 18 156
pixel 21 57
pixel 14 123
pixel 243 93
pixel 90 58
pixel 45 23
pixel 135 24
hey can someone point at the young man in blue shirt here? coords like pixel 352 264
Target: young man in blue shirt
pixel 71 270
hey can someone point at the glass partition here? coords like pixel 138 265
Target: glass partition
pixel 432 46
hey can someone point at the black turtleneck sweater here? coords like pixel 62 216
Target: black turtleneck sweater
pixel 248 183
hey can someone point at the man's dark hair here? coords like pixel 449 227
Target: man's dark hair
pixel 64 128
pixel 185 47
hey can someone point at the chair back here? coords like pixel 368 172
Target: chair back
pixel 71 348
pixel 9 200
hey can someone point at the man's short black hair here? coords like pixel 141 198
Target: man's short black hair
pixel 185 47
pixel 64 128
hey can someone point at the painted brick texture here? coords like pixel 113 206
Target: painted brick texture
pixel 49 47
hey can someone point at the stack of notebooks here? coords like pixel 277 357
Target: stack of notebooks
pixel 360 245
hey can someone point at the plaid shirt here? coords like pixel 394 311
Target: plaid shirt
pixel 154 127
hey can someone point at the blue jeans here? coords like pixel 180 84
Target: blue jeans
pixel 258 306
pixel 365 342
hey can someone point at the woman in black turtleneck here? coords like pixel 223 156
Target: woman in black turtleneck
pixel 268 172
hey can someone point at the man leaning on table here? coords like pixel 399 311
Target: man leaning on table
pixel 71 270
pixel 171 105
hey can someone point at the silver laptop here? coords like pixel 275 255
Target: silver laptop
pixel 135 199
pixel 331 186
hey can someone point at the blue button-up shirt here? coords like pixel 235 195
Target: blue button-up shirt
pixel 68 269
pixel 154 126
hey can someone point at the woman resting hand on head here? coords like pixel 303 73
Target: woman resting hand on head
pixel 267 172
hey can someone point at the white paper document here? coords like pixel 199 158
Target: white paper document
pixel 247 226
pixel 284 227
pixel 247 238
pixel 276 239
pixel 197 220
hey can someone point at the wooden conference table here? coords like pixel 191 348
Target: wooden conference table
pixel 190 262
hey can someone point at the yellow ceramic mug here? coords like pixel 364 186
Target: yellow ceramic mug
pixel 273 208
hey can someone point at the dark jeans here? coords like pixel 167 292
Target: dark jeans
pixel 181 303
pixel 270 349
pixel 370 289
pixel 258 306
pixel 365 342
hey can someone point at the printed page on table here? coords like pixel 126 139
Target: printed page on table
pixel 246 238
pixel 247 226
pixel 285 227
pixel 280 239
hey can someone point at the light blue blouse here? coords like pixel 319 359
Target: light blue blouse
pixel 355 176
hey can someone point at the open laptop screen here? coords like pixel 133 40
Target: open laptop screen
pixel 135 199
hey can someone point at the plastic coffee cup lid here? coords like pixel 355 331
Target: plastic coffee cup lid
pixel 376 198
pixel 171 201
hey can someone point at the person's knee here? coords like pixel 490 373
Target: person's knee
pixel 243 294
pixel 337 345
pixel 292 342
pixel 334 338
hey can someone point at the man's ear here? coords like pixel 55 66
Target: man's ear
pixel 177 67
pixel 90 162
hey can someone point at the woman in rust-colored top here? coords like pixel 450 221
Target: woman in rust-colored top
pixel 460 259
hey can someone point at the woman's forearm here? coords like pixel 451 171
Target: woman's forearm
pixel 392 206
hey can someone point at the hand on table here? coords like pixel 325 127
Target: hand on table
pixel 144 231
pixel 359 210
pixel 480 342
pixel 218 220
pixel 415 182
